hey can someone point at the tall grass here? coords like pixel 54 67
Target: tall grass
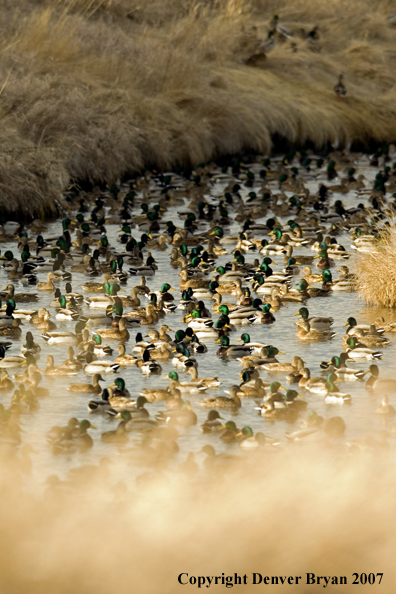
pixel 98 89
pixel 376 270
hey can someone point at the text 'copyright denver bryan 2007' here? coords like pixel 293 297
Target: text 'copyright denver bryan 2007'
pixel 229 581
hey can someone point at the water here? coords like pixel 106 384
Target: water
pixel 360 417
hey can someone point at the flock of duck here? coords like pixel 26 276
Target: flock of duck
pixel 96 293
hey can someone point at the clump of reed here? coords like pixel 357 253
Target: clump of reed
pixel 99 89
pixel 376 270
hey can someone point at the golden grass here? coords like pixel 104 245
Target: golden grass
pixel 97 89
pixel 376 271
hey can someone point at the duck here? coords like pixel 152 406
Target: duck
pixel 46 324
pixel 305 332
pixel 18 297
pixel 232 401
pixel 102 405
pixel 13 331
pixel 356 351
pixel 385 409
pixel 296 365
pixel 316 385
pixel 49 285
pixel 255 347
pixel 212 423
pixel 93 388
pixel 232 351
pixel 353 327
pixel 30 346
pixel 119 389
pixel 66 313
pixel 52 370
pixel 100 366
pixel 209 382
pixel 315 323
pixel 6 383
pixel 145 364
pixel 121 333
pixel 100 349
pixel 376 383
pixel 123 359
pixel 60 337
pixel 265 316
pixel 11 361
pixel 190 387
pixel 338 366
pixel 71 362
pixel 334 396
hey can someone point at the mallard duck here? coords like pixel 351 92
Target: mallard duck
pixel 305 332
pixel 334 396
pixel 353 327
pixel 212 423
pixel 376 383
pixel 116 403
pixel 346 282
pixel 209 382
pixel 310 277
pixel 95 287
pixel 296 365
pixel 102 405
pixel 10 294
pixel 101 349
pixel 338 366
pixel 316 385
pixel 93 388
pixel 233 401
pixel 193 283
pixel 52 370
pixel 385 409
pixel 371 338
pixel 103 301
pixel 45 323
pixel 13 331
pixel 227 350
pixel 10 311
pixel 356 351
pixel 123 359
pixel 254 346
pixel 30 346
pixel 12 361
pixel 60 337
pixel 6 383
pixel 103 366
pixel 119 389
pixel 65 313
pixel 121 333
pixel 314 323
pixel 71 362
pixel 190 387
pixel 49 285
pixel 265 316
pixel 147 366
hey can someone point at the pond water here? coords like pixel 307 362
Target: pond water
pixel 359 416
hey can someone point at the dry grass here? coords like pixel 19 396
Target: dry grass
pixel 97 89
pixel 376 271
pixel 274 517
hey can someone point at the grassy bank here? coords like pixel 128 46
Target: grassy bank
pixel 96 89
